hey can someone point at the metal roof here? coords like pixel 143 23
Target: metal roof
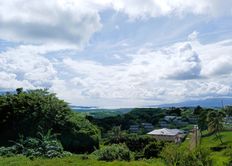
pixel 165 131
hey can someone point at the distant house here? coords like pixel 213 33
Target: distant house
pixel 134 128
pixel 193 120
pixel 228 120
pixel 147 127
pixel 164 134
pixel 177 121
pixel 164 124
pixel 170 118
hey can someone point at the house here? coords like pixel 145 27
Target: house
pixel 193 120
pixel 134 128
pixel 228 120
pixel 164 124
pixel 170 118
pixel 165 134
pixel 147 127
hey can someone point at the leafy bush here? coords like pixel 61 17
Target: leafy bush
pixel 153 149
pixel 181 156
pixel 113 152
pixel 7 151
pixel 136 143
pixel 79 135
pixel 44 146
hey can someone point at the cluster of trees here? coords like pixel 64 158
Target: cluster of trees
pixel 135 116
pixel 25 113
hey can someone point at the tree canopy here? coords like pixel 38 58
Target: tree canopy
pixel 27 112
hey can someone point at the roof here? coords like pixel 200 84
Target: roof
pixel 165 131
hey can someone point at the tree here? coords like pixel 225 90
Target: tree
pixel 153 149
pixel 202 120
pixel 215 122
pixel 197 110
pixel 116 134
pixel 27 112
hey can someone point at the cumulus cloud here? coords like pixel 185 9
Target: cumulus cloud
pixel 53 21
pixel 72 22
pixel 26 67
pixel 170 74
pixel 184 70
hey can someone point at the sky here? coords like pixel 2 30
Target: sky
pixel 118 53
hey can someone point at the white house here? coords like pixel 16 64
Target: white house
pixel 174 135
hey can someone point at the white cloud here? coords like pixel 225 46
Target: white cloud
pixel 54 21
pixel 26 67
pixel 72 22
pixel 171 74
pixel 156 8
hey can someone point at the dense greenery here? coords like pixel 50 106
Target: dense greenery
pixel 114 152
pixel 45 145
pixel 27 112
pixel 35 123
pixel 153 149
pixel 136 116
pixel 181 156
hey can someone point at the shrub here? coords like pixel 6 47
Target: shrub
pixel 113 152
pixel 136 143
pixel 153 149
pixel 181 156
pixel 44 146
pixel 7 151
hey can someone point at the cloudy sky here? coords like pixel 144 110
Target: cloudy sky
pixel 118 53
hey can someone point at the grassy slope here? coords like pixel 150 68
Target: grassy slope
pixel 72 161
pixel 218 157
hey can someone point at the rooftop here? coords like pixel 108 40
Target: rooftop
pixel 165 131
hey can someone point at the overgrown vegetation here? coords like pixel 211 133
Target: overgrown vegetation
pixel 114 152
pixel 44 145
pixel 27 112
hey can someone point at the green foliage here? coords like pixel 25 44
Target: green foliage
pixel 73 160
pixel 228 110
pixel 215 122
pixel 114 152
pixel 153 149
pixel 135 142
pixel 182 156
pixel 202 120
pixel 79 135
pixel 43 146
pixel 45 111
pixel 7 151
pixel 198 110
pixel 171 154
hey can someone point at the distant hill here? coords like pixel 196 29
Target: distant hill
pixel 209 103
pixel 2 92
pixel 99 112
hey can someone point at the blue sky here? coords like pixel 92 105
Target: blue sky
pixel 110 53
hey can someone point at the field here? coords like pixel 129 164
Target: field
pixel 218 157
pixel 72 161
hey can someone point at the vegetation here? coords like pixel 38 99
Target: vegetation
pixel 27 112
pixel 181 156
pixel 114 152
pixel 45 145
pixel 153 149
pixel 215 123
pixel 57 132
